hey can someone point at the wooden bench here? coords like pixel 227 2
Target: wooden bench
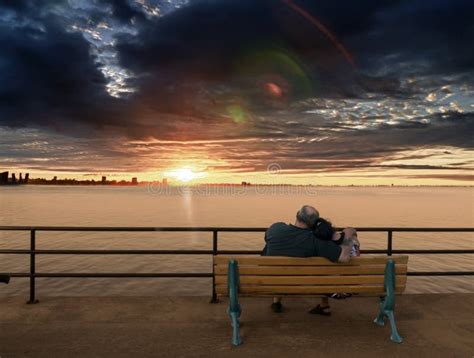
pixel 239 275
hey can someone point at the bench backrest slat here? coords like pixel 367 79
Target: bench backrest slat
pixel 310 280
pixel 306 261
pixel 310 270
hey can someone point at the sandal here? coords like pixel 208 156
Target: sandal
pixel 341 296
pixel 321 310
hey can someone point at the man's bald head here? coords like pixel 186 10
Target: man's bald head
pixel 307 216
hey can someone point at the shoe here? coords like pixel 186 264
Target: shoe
pixel 341 296
pixel 321 310
pixel 277 307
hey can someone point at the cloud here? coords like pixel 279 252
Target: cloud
pixel 124 11
pixel 386 149
pixel 189 65
pixel 419 37
pixel 48 78
pixel 118 77
pixel 457 177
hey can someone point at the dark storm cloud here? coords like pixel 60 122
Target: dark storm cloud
pixel 403 36
pixel 216 49
pixel 208 38
pixel 48 77
pixel 191 60
pixel 187 67
pixel 425 36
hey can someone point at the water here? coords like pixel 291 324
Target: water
pixel 224 206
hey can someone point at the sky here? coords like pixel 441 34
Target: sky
pixel 267 91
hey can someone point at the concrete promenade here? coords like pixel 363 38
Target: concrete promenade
pixel 437 325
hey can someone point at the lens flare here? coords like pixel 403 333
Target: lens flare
pixel 323 29
pixel 273 89
pixel 278 71
pixel 237 113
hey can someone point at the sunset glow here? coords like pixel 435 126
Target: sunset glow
pixel 184 175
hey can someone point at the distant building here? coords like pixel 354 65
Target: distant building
pixel 4 178
pixel 134 181
pixel 13 178
pixel 104 179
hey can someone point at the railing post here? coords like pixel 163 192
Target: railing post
pixel 389 242
pixel 214 253
pixel 32 267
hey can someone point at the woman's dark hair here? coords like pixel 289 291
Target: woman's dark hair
pixel 323 229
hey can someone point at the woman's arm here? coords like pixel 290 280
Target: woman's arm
pixel 346 248
pixel 350 238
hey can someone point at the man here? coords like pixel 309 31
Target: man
pixel 298 240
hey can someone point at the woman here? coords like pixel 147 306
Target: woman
pixel 324 230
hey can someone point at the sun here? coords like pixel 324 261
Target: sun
pixel 185 174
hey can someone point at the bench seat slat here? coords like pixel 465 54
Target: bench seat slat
pixel 305 290
pixel 310 280
pixel 314 270
pixel 307 261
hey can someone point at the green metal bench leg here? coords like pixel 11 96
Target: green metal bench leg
pixel 234 309
pixel 387 305
pixel 395 337
pixel 236 340
pixel 380 317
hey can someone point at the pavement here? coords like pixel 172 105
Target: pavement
pixel 432 325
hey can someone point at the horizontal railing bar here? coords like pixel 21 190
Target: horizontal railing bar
pixel 222 229
pixel 201 252
pixel 110 252
pixel 461 251
pixel 120 228
pixel 111 274
pixel 239 252
pixel 15 251
pixel 409 229
pixel 258 252
pixel 440 273
pixel 193 274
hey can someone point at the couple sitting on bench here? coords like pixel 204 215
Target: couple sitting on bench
pixel 311 235
pixel 289 266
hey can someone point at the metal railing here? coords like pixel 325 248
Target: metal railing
pixel 33 252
